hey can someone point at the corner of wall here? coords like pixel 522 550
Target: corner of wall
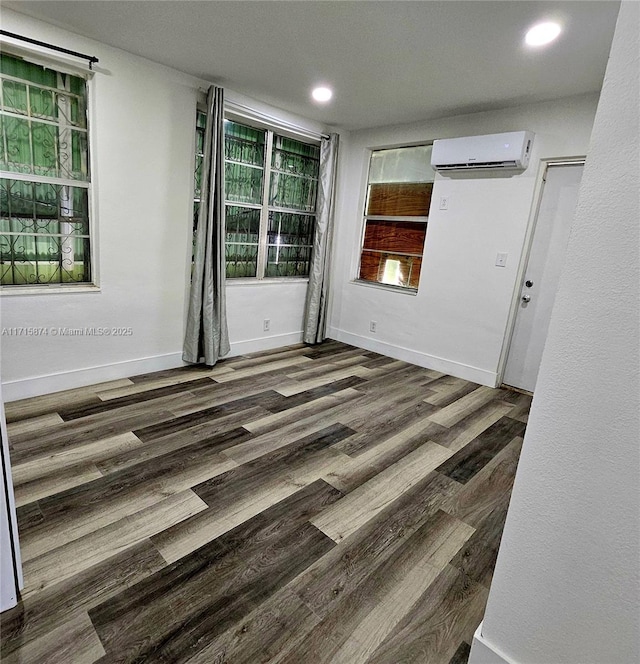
pixel 483 652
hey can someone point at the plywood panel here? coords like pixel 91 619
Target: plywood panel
pixel 406 237
pixel 400 199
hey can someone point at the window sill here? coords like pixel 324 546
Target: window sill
pixel 251 281
pixel 386 287
pixel 48 290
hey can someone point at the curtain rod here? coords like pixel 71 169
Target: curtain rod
pixel 90 58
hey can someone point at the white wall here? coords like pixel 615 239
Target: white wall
pixel 143 142
pixel 566 584
pixel 457 321
pixel 249 305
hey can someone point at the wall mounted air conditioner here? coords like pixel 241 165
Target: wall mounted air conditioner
pixel 510 150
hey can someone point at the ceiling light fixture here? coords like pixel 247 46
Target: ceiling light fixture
pixel 322 94
pixel 542 33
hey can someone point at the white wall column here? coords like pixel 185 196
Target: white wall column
pixel 11 580
pixel 567 580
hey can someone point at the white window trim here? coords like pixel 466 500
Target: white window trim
pixel 241 113
pixel 264 207
pixel 54 289
pixel 363 225
pixel 44 58
pixel 387 287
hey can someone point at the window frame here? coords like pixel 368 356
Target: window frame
pixel 63 66
pixel 422 219
pixel 271 129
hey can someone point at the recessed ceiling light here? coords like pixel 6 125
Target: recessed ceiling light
pixel 322 94
pixel 542 34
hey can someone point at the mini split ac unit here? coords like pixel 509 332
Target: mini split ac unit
pixel 510 150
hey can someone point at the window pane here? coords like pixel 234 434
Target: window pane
pixel 242 260
pixel 289 244
pixel 51 138
pixel 42 103
pixel 198 176
pixel 33 207
pixel 201 123
pixel 45 230
pixel 288 228
pixel 16 145
pixel 290 191
pixel 244 156
pixel 242 224
pixel 45 150
pixel 402 165
pixel 399 200
pixel 294 174
pixel 288 261
pixel 395 236
pixel 243 184
pixel 294 157
pixel 27 71
pixel 78 168
pixel 14 97
pixel 243 144
pixel 242 235
pixel 43 259
pixel 391 269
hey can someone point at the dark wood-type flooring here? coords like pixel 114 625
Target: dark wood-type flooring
pixel 301 506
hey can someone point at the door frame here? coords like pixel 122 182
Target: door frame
pixel 541 178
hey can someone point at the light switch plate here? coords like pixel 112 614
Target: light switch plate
pixel 501 260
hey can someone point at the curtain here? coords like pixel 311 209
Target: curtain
pixel 206 336
pixel 315 318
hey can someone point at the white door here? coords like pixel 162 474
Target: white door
pixel 546 258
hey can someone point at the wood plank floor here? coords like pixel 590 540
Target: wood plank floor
pixel 308 505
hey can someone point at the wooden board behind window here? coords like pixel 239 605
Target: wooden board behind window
pixel 400 199
pixel 406 237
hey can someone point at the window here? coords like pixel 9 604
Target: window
pixel 396 213
pixel 271 184
pixel 44 180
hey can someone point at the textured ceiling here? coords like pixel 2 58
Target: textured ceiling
pixel 388 62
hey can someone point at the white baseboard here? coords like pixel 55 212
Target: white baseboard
pixel 68 380
pixel 264 343
pixel 37 385
pixel 465 371
pixel 483 652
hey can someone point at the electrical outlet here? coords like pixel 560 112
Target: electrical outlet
pixel 444 202
pixel 266 325
pixel 373 326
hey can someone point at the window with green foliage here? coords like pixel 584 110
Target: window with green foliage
pixel 44 181
pixel 271 186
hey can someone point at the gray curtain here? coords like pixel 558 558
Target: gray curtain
pixel 315 318
pixel 206 337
